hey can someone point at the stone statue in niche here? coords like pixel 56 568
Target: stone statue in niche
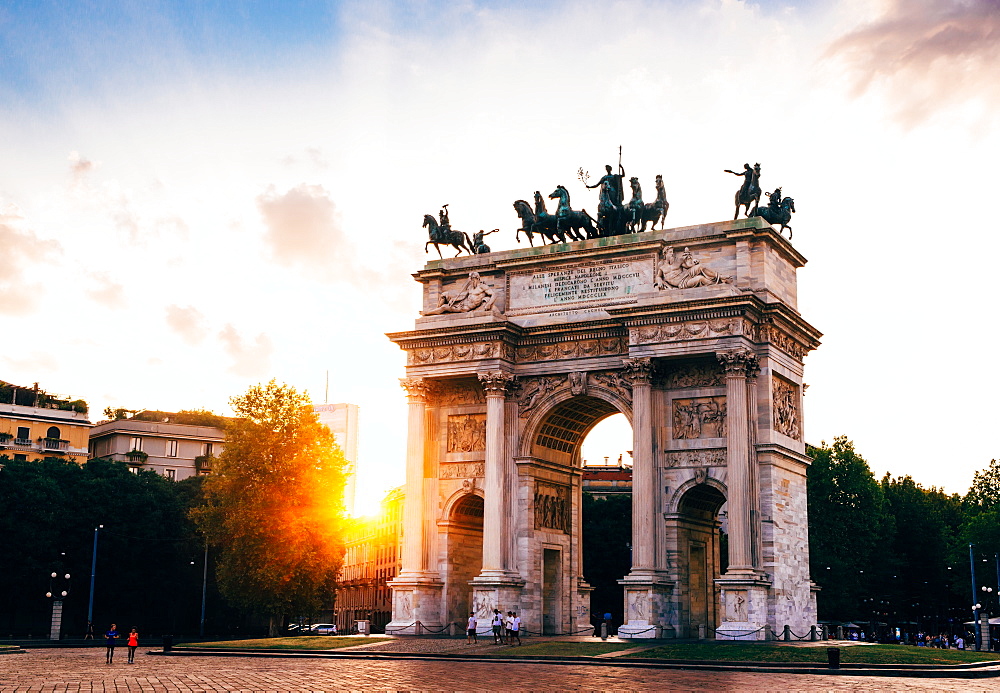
pixel 685 272
pixel 473 295
pixel 701 417
pixel 467 433
pixel 786 409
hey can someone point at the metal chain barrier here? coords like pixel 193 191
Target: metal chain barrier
pixel 400 629
pixel 738 634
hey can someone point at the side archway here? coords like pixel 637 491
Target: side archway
pixel 462 550
pixel 694 521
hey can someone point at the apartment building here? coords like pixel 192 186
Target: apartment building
pixel 174 445
pixel 371 560
pixel 35 424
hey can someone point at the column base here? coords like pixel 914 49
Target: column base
pixel 581 617
pixel 496 592
pixel 648 606
pixel 743 600
pixel 416 605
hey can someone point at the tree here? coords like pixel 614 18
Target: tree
pixel 848 526
pixel 274 505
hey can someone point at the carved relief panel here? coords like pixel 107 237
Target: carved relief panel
pixel 462 470
pixel 699 417
pixel 708 374
pixel 552 507
pixel 467 433
pixel 455 393
pixel 785 408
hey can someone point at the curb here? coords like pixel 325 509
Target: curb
pixel 974 670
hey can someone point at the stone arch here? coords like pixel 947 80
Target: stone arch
pixel 461 527
pixel 561 421
pixel 694 524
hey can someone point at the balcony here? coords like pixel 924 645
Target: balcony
pixel 136 457
pixel 203 463
pixel 53 445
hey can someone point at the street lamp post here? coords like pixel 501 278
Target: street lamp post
pixel 93 572
pixel 57 595
pixel 204 590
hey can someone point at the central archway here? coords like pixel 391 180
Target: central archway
pixel 550 475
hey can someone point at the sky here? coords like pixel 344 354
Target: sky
pixel 199 196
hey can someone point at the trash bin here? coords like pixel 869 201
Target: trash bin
pixel 168 643
pixel 833 657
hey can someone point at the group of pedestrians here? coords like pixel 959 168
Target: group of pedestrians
pixel 111 640
pixel 506 628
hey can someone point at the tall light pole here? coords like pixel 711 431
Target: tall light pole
pixel 204 589
pixel 93 571
pixel 975 596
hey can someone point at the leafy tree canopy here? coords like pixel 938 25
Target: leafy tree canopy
pixel 274 504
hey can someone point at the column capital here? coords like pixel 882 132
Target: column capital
pixel 496 383
pixel 738 361
pixel 417 389
pixel 639 371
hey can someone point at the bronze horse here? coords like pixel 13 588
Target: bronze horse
pixel 438 236
pixel 570 219
pixel 531 224
pixel 782 215
pixel 656 211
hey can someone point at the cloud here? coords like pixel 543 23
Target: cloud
pixel 79 167
pixel 20 250
pixel 929 53
pixel 249 360
pixel 107 292
pixel 304 228
pixel 188 322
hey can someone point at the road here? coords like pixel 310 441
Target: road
pixel 85 670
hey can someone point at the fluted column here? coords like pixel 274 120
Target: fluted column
pixel 640 371
pixel 414 560
pixel 753 370
pixel 738 459
pixel 495 484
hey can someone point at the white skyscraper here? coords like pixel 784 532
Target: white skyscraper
pixel 342 420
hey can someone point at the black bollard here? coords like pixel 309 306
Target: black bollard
pixel 168 643
pixel 833 657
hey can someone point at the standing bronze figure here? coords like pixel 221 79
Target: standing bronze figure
pixel 611 214
pixel 749 192
pixel 478 246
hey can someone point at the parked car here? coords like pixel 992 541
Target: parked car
pixel 324 629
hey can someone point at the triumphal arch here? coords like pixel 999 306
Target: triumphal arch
pixel 694 335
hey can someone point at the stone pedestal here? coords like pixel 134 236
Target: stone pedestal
pixel 581 618
pixel 504 595
pixel 416 607
pixel 743 598
pixel 648 608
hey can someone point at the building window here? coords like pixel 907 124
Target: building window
pixel 136 443
pixel 206 448
pixel 134 470
pixel 171 448
pixel 23 434
pixel 171 474
pixel 53 433
pixel 20 458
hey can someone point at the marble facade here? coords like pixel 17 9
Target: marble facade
pixel 694 335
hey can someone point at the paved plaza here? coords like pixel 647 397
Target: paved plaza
pixel 72 669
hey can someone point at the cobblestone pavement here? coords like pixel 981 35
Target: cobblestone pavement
pixel 85 670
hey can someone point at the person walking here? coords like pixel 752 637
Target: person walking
pixel 470 633
pixel 497 624
pixel 133 642
pixel 515 627
pixel 90 631
pixel 109 641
